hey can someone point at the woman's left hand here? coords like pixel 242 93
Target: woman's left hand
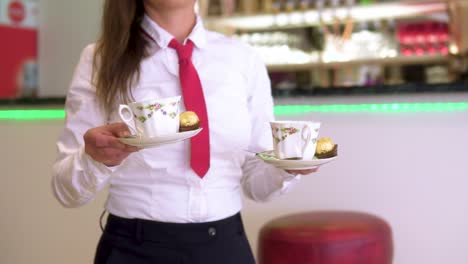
pixel 303 172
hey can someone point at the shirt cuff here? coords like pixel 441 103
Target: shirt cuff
pixel 287 181
pixel 100 171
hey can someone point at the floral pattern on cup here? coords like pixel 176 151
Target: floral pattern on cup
pixel 286 131
pixel 154 108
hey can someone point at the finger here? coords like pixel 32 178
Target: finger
pixel 111 153
pixel 119 157
pixel 303 172
pixel 111 163
pixel 115 160
pixel 118 129
pixel 311 170
pixel 131 149
pixel 106 141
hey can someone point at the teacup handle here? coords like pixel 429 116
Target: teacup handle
pixel 129 121
pixel 306 135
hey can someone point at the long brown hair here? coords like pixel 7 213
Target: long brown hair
pixel 119 50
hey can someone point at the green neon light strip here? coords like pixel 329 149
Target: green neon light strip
pixel 31 114
pixel 280 110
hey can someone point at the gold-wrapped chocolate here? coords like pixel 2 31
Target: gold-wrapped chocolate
pixel 324 145
pixel 326 148
pixel 188 121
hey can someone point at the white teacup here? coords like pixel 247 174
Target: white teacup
pixel 291 139
pixel 152 118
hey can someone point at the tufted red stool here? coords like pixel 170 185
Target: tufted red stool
pixel 326 237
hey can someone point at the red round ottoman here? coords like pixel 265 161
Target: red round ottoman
pixel 326 237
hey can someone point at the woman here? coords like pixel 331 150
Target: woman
pixel 162 209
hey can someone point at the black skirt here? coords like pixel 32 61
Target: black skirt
pixel 138 241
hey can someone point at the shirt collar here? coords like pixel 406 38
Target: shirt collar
pixel 162 38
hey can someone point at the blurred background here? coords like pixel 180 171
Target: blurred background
pixel 387 79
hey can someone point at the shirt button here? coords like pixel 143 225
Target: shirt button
pixel 212 231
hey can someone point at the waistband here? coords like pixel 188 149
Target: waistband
pixel 147 230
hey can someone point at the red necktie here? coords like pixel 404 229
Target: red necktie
pixel 194 101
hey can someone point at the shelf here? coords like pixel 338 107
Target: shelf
pixel 426 59
pixel 300 19
pixel 396 89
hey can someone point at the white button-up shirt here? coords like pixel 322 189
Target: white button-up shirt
pixel 158 183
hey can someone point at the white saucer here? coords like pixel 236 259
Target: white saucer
pixel 153 142
pixel 269 157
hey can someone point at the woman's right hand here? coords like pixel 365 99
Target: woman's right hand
pixel 102 144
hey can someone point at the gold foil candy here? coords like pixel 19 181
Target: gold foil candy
pixel 324 145
pixel 188 118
